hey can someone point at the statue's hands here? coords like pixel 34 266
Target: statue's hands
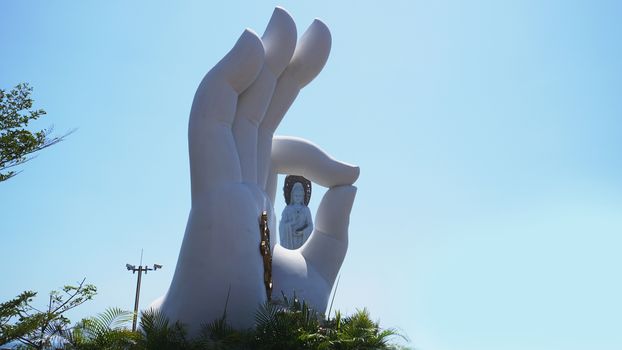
pixel 233 163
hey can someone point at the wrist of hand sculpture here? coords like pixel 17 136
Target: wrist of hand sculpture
pixel 234 161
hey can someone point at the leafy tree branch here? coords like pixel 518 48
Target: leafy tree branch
pixel 17 143
pixel 36 328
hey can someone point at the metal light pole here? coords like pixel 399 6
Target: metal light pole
pixel 140 270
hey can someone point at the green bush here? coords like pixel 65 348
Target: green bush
pixel 291 324
pixel 288 324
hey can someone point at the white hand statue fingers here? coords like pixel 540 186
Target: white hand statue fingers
pixel 293 155
pixel 308 60
pixel 279 42
pixel 327 246
pixel 213 156
pixel 240 66
pixel 311 54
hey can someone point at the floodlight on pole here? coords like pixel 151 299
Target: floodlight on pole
pixel 140 269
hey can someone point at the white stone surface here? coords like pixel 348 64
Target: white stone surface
pixel 234 159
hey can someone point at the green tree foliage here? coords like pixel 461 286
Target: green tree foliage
pixel 17 143
pixel 157 332
pixel 290 324
pixel 108 330
pixel 41 328
pixel 12 323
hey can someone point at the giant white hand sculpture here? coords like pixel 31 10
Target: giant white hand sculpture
pixel 234 160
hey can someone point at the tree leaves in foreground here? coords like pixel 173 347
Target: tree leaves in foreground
pixel 16 141
pixel 41 328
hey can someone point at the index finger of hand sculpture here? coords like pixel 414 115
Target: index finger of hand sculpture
pixel 214 159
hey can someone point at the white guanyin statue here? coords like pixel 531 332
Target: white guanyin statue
pixel 296 223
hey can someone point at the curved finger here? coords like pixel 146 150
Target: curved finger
pixel 213 155
pixel 293 155
pixel 239 67
pixel 307 61
pixel 279 41
pixel 311 54
pixel 326 247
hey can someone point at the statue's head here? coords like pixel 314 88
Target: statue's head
pixel 297 190
pixel 298 194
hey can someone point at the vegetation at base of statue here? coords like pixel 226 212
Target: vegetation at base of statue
pixel 289 324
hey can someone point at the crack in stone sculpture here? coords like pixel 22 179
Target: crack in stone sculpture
pixel 265 249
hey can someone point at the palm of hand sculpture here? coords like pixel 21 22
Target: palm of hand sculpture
pixel 234 161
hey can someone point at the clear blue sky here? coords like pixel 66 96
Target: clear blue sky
pixel 489 211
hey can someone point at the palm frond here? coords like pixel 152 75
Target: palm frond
pixel 112 318
pixel 153 321
pixel 266 314
pixel 159 334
